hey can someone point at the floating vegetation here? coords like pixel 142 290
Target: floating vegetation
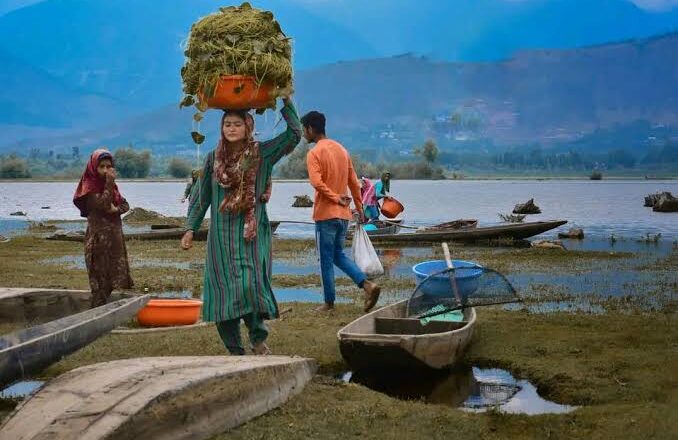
pixel 141 215
pixel 235 41
pixel 39 227
pixel 512 218
pixel 650 238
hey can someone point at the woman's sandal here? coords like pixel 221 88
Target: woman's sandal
pixel 261 349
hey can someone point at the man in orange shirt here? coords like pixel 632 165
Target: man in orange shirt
pixel 331 173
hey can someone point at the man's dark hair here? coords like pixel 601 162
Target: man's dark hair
pixel 315 120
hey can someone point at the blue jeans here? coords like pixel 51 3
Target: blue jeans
pixel 329 237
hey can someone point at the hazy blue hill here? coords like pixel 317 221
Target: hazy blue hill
pixel 131 49
pixel 29 96
pixel 542 96
pixel 462 30
pixel 535 95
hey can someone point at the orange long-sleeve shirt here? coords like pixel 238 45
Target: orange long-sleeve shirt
pixel 331 173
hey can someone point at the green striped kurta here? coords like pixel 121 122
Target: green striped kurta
pixel 237 277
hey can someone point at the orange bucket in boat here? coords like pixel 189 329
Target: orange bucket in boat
pixel 169 312
pixel 240 92
pixel 391 207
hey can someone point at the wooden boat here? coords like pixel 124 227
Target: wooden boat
pixel 186 397
pixel 386 339
pixel 383 228
pixel 36 305
pixel 163 226
pixel 174 233
pixel 30 350
pixel 274 226
pixel 508 231
pixel 454 224
pixel 156 234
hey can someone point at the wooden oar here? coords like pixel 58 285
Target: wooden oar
pixel 451 274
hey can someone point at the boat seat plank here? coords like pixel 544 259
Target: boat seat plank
pixel 412 326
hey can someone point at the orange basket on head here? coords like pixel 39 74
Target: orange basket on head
pixel 391 207
pixel 169 312
pixel 240 92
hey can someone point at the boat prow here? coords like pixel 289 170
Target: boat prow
pixel 192 397
pixel 30 350
pixel 386 338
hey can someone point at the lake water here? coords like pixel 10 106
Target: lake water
pixel 602 208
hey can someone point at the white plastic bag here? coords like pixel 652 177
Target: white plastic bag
pixel 364 254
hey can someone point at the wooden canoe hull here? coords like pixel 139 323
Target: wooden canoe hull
pixel 452 225
pixel 188 397
pixel 35 305
pixel 383 230
pixel 510 231
pixel 365 349
pixel 154 234
pixel 30 350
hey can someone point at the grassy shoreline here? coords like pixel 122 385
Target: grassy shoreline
pixel 479 177
pixel 615 366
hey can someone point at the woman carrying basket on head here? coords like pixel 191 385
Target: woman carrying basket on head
pixel 235 183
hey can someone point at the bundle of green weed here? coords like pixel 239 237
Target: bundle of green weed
pixel 235 41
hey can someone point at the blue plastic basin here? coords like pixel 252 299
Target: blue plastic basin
pixel 467 281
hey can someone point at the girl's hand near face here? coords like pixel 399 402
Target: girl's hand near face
pixel 111 175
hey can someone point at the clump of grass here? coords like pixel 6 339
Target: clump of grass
pixel 512 218
pixel 39 227
pixel 235 41
pixel 141 215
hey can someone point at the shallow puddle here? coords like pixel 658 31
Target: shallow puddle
pixel 21 389
pixel 304 295
pixel 176 294
pixel 282 295
pixel 70 261
pixel 470 389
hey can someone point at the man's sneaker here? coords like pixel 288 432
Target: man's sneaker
pixel 325 308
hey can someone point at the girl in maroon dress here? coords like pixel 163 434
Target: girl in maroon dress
pixel 99 200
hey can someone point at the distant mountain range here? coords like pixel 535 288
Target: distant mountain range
pixel 92 72
pixel 546 96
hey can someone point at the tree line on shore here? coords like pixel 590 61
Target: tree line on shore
pixel 424 162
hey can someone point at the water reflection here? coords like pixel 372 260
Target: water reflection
pixel 304 295
pixel 21 389
pixel 471 389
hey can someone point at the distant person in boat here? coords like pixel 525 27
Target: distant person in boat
pixel 235 182
pixel 331 173
pixel 383 187
pixel 99 200
pixel 195 174
pixel 369 199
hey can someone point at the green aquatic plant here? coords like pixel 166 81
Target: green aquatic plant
pixel 235 41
